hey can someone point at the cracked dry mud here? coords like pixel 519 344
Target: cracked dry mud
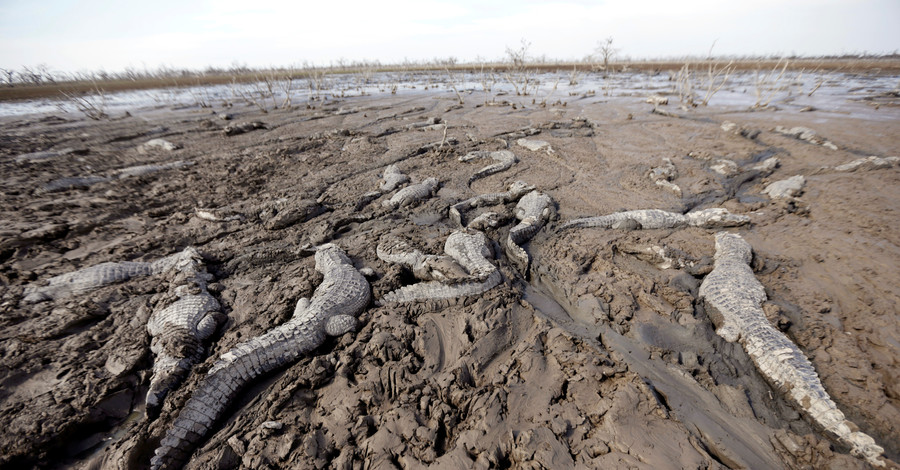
pixel 600 356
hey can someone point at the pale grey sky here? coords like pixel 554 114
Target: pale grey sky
pixel 72 35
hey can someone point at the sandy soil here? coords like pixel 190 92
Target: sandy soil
pixel 596 358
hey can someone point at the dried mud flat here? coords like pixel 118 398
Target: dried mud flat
pixel 600 356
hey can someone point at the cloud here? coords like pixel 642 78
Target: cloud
pixel 104 33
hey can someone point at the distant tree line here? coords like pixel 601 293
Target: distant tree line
pixel 516 58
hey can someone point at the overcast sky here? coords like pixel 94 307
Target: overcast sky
pixel 71 35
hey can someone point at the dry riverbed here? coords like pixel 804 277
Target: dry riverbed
pixel 600 355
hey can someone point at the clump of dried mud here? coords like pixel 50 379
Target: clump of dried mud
pixel 599 357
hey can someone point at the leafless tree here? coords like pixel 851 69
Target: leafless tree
pixel 519 75
pixel 606 51
pixel 93 104
pixel 8 76
pixel 519 56
pixel 30 76
pixel 574 75
pixel 716 78
pixel 770 84
pixel 287 87
pixel 316 81
pixel 488 80
pixel 451 82
pixel 543 102
pixel 684 82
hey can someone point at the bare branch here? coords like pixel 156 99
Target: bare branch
pixel 92 105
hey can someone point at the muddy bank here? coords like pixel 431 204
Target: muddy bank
pixel 596 353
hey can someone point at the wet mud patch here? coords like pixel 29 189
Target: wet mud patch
pixel 600 355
